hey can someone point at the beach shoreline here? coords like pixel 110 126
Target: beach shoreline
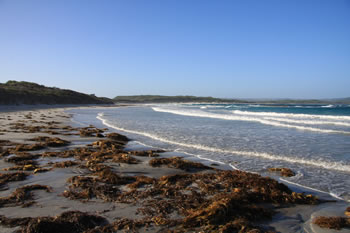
pixel 53 203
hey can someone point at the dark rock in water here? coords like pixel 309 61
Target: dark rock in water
pixel 117 137
pixel 283 171
pixel 177 162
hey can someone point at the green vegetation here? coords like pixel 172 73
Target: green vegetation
pixel 14 92
pixel 186 99
pixel 170 99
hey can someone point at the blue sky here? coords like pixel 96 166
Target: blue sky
pixel 239 49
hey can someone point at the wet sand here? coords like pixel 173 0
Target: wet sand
pixel 94 171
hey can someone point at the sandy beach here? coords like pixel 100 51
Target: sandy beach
pixel 57 177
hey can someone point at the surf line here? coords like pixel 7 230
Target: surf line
pixel 242 118
pixel 323 164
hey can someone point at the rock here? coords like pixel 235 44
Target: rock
pixel 117 137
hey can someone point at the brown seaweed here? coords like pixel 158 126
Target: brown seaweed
pixel 148 153
pixel 121 224
pixel 52 142
pixel 22 158
pixel 336 223
pixel 282 171
pixel 31 147
pixel 21 195
pixel 26 167
pixel 10 177
pixel 68 222
pixel 178 162
pixel 65 164
pixel 124 158
pixel 347 211
pixel 90 131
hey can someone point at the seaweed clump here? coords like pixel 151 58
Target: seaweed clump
pixel 68 222
pixel 125 158
pixel 125 224
pixel 65 164
pixel 31 147
pixel 52 142
pixel 336 223
pixel 103 186
pixel 22 158
pixel 347 211
pixel 147 153
pixel 117 137
pixel 282 171
pixel 22 195
pixel 91 131
pixel 9 177
pixel 178 162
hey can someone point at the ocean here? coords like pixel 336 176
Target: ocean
pixel 312 140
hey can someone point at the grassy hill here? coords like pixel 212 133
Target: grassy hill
pixel 184 99
pixel 168 99
pixel 14 92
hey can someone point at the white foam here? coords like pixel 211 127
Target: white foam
pixel 308 122
pixel 317 163
pixel 313 189
pixel 198 113
pixel 291 115
pixel 234 167
pixel 328 106
pixel 201 157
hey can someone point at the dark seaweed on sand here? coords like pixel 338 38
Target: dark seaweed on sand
pixel 197 199
pixel 67 222
pixel 336 223
pixel 22 195
pixel 10 177
pixel 177 162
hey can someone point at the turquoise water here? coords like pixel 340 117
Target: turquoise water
pixel 312 140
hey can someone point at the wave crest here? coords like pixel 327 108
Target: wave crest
pixel 317 163
pixel 198 113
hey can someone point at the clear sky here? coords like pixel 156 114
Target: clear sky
pixel 221 48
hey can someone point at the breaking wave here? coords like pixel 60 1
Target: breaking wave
pixel 241 117
pixel 317 163
pixel 291 115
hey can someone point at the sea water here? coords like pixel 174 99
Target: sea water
pixel 312 140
